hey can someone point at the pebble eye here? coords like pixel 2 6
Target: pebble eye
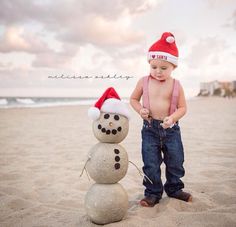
pixel 106 116
pixel 116 117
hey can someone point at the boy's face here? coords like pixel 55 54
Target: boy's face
pixel 160 69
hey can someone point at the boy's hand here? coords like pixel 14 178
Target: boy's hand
pixel 144 113
pixel 168 122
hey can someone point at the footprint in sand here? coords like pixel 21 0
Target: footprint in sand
pixel 18 204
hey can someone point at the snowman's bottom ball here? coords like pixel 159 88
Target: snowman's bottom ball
pixel 106 203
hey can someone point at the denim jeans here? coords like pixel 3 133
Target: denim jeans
pixel 160 145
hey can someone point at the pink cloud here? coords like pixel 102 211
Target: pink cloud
pixel 205 51
pixel 17 39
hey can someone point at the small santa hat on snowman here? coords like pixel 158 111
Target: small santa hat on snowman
pixel 109 102
pixel 164 49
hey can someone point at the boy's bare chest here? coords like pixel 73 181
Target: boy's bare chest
pixel 160 91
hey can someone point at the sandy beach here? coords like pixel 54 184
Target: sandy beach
pixel 43 151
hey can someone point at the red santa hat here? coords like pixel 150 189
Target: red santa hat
pixel 109 102
pixel 164 49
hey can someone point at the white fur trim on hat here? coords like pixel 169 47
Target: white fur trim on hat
pixel 163 56
pixel 94 113
pixel 170 39
pixel 113 105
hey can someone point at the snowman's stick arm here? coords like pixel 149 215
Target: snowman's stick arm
pixel 84 168
pixel 87 174
pixel 141 173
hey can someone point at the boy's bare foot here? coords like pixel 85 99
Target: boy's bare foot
pixel 181 195
pixel 149 201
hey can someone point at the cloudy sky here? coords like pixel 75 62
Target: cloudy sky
pixel 43 39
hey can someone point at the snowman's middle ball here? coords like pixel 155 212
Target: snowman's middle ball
pixel 111 128
pixel 108 163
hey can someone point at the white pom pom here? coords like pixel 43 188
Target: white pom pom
pixel 170 39
pixel 93 113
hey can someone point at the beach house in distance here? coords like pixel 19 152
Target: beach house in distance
pixel 218 88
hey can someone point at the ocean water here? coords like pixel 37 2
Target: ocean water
pixel 33 102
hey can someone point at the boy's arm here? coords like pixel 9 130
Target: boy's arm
pixel 136 96
pixel 181 106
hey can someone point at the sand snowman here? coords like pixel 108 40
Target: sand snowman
pixel 107 201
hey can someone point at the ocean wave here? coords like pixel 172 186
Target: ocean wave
pixel 18 102
pixel 3 102
pixel 25 101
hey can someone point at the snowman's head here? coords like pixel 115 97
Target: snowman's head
pixel 111 127
pixel 110 117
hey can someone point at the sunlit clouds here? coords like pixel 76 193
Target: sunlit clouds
pixel 39 39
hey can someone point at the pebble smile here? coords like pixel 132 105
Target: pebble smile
pixel 109 131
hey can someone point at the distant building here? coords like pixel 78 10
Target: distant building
pixel 225 85
pixel 234 85
pixel 218 88
pixel 208 88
